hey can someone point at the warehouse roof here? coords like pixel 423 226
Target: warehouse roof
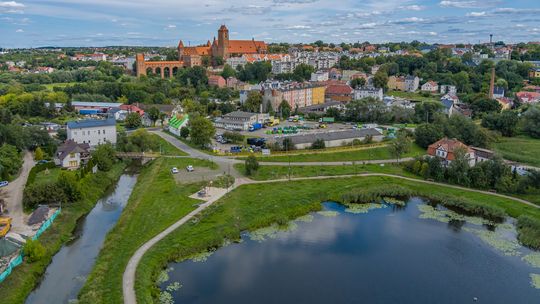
pixel 330 136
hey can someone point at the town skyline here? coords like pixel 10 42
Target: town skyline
pixel 25 24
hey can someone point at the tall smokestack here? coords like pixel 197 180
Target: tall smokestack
pixel 492 83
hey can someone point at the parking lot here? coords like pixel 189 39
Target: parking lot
pixel 198 174
pixel 310 128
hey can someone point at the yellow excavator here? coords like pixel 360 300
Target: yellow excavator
pixel 5 225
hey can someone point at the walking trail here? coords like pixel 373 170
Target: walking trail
pixel 128 283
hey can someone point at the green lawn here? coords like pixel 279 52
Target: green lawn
pixel 25 277
pixel 281 172
pixel 414 96
pixel 259 205
pixel 156 202
pixel 47 175
pixel 521 149
pixel 167 148
pixel 51 86
pixel 354 155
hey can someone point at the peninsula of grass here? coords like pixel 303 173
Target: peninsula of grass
pixel 521 149
pixel 254 206
pixel 271 172
pixel 157 201
pixel 377 153
pixel 26 276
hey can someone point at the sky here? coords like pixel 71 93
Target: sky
pixel 36 23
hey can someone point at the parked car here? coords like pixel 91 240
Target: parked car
pixel 174 170
pixel 189 168
pixel 4 183
pixel 43 161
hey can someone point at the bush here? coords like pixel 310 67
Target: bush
pixel 104 156
pixel 38 154
pixel 375 195
pixel 318 144
pixel 489 212
pixel 68 184
pixel 252 165
pixel 184 132
pixel 234 137
pixel 529 231
pixel 33 251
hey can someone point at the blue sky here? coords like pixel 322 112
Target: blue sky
pixel 34 23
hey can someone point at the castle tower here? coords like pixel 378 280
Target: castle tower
pixel 223 42
pixel 180 50
pixel 141 67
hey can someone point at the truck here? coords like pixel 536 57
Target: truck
pixel 5 225
pixel 254 127
pixel 327 120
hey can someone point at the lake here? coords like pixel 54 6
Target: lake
pixel 411 254
pixel 67 272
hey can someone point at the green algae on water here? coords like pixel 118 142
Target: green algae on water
pixel 308 218
pixel 496 240
pixel 164 275
pixel 165 298
pixel 535 280
pixel 262 234
pixel 394 201
pixel 328 213
pixel 362 208
pixel 201 256
pixel 533 259
pixel 173 286
pixel 445 216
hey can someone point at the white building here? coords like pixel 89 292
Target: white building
pixel 240 121
pixel 72 155
pixel 430 86
pixel 92 131
pixel 365 92
pixel 447 89
pixel 319 76
pixel 411 83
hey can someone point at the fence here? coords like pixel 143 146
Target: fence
pixel 19 259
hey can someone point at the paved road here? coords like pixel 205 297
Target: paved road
pixel 14 192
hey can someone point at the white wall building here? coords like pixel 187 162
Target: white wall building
pixel 365 92
pixel 319 76
pixel 92 131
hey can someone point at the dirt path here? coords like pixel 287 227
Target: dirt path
pixel 14 192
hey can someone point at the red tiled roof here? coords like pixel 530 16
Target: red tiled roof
pixel 246 46
pixel 338 89
pixel 448 145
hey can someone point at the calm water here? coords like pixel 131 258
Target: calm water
pixel 388 255
pixel 66 274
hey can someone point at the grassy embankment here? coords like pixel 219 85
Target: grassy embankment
pixel 354 155
pixel 167 148
pixel 281 172
pixel 156 202
pixel 25 277
pixel 521 149
pixel 259 205
pixel 51 86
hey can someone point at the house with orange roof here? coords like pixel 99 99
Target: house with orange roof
pixel 430 86
pixel 446 149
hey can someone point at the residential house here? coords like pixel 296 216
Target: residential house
pixel 447 89
pixel 339 92
pixel 71 155
pixel 430 86
pixel 506 103
pixel 534 73
pixel 448 102
pixel 446 149
pixel 411 83
pixel 498 92
pixel 217 81
pixel 528 97
pixel 365 92
pixel 177 121
pixel 396 83
pixel 92 131
pixel 319 76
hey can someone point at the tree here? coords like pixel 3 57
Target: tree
pixel 284 109
pixel 38 154
pixel 380 80
pixel 133 120
pixel 318 144
pixel 201 130
pixel 153 113
pixel 253 101
pixel 458 168
pixel 252 165
pixel 104 156
pixel 184 132
pixel 302 72
pixel 426 134
pixel 45 193
pixel 531 121
pixel 68 184
pixel 228 71
pixel 10 161
pixel 399 146
pixel 358 82
pixel 505 122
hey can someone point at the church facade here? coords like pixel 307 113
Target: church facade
pixel 190 56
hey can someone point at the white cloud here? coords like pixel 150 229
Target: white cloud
pixel 476 14
pixel 11 4
pixel 469 4
pixel 11 7
pixel 19 31
pixel 413 7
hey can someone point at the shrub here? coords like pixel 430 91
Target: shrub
pixel 104 156
pixel 529 231
pixel 252 165
pixel 318 144
pixel 38 154
pixel 184 132
pixel 234 137
pixel 42 194
pixel 68 184
pixel 33 250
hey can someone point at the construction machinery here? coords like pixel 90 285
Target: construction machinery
pixel 5 226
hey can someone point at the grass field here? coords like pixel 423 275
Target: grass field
pixel 521 149
pixel 354 155
pixel 51 86
pixel 48 175
pixel 155 203
pixel 25 277
pixel 259 205
pixel 413 96
pixel 167 148
pixel 281 172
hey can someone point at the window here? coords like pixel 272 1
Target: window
pixel 71 155
pixel 98 132
pixel 73 163
pixel 103 131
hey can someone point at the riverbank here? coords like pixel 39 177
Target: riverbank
pixel 25 277
pixel 157 201
pixel 259 205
